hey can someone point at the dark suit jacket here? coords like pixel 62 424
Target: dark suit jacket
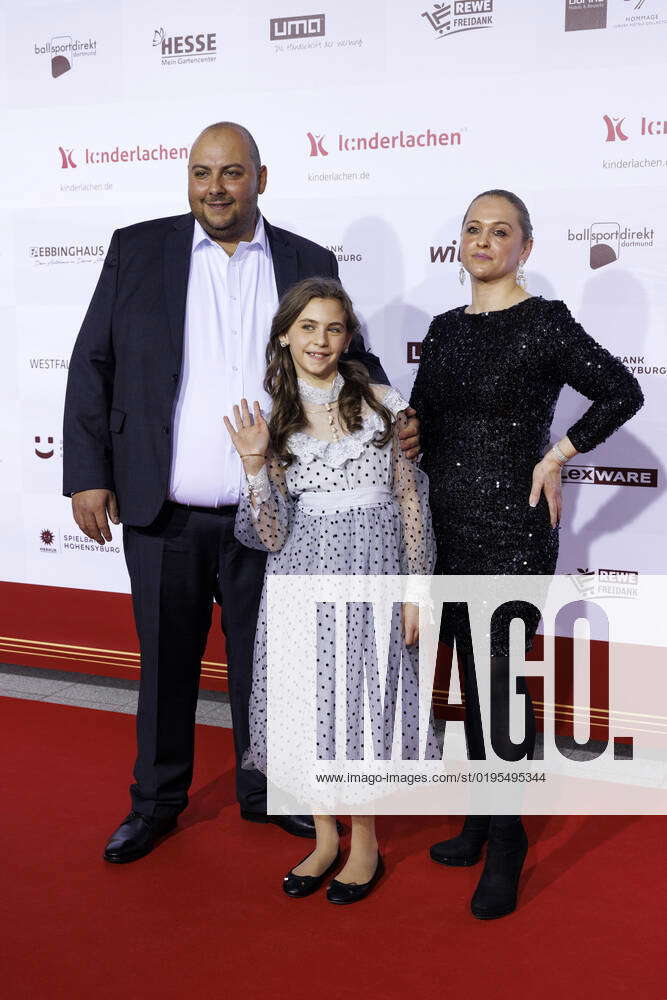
pixel 124 370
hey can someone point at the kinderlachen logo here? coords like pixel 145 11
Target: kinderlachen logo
pixel 614 129
pixel 180 49
pixel 64 52
pixel 133 154
pixel 317 147
pixel 581 15
pixel 284 29
pixel 377 141
pixel 66 158
pixel 459 15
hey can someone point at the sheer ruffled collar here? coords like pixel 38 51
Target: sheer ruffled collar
pixel 311 394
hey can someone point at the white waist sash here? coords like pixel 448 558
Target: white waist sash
pixel 326 503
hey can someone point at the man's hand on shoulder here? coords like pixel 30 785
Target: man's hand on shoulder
pixel 409 434
pixel 90 509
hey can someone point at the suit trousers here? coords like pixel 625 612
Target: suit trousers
pixel 178 566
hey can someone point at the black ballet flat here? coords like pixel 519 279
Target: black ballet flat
pixel 352 892
pixel 299 886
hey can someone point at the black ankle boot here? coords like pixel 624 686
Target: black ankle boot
pixel 465 849
pixel 496 891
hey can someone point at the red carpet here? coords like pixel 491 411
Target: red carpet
pixel 204 915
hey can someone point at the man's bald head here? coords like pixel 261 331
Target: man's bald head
pixel 253 151
pixel 225 178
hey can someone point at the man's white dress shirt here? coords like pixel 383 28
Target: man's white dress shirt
pixel 230 304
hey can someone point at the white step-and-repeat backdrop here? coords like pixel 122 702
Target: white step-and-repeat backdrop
pixel 379 121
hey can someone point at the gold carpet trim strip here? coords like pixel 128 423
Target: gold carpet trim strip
pixel 218 671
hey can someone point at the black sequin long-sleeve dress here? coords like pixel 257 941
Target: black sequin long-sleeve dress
pixel 485 393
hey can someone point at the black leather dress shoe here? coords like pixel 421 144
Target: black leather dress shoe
pixel 299 886
pixel 136 836
pixel 298 826
pixel 352 892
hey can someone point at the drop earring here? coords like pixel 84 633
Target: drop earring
pixel 521 279
pixel 462 274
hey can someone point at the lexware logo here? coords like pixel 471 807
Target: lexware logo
pixel 459 15
pixel 598 475
pixel 317 145
pixel 614 129
pixel 281 29
pixel 66 158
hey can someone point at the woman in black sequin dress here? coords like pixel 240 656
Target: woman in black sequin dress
pixel 489 377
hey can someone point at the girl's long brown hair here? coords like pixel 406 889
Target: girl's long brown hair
pixel 281 383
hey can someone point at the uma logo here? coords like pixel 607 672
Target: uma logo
pixel 66 158
pixel 614 129
pixel 317 145
pixel 310 26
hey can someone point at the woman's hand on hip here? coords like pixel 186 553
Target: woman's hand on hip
pixel 547 480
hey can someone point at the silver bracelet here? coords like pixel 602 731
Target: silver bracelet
pixel 560 457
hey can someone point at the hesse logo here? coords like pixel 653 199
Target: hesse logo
pixel 137 154
pixel 309 26
pixel 186 48
pixel 376 141
pixel 460 15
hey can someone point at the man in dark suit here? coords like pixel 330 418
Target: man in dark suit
pixel 174 335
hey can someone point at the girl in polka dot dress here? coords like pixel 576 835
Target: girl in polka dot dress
pixel 329 491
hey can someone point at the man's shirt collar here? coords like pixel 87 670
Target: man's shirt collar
pixel 259 240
